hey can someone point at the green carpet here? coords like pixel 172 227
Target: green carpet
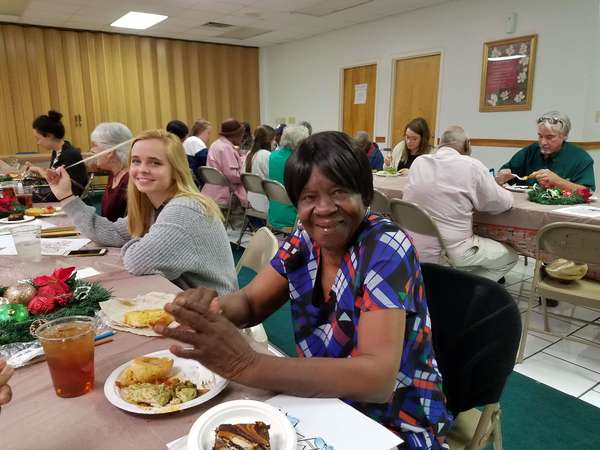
pixel 534 416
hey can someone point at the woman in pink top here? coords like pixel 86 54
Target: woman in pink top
pixel 224 156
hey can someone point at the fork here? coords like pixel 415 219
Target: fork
pixel 525 178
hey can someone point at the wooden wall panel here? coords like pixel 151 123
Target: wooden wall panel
pixel 140 81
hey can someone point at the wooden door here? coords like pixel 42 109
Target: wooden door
pixel 416 84
pixel 359 99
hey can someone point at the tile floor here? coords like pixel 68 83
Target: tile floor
pixel 570 367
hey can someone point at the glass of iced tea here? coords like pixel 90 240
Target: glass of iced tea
pixel 25 195
pixel 69 346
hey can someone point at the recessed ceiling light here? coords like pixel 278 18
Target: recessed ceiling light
pixel 138 20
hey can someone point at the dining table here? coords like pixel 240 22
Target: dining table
pixel 516 227
pixel 37 418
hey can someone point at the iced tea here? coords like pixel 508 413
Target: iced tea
pixel 69 346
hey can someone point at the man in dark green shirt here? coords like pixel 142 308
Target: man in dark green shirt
pixel 552 161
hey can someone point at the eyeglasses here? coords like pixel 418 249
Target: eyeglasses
pixel 552 120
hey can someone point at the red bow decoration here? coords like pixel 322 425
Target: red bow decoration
pixel 584 193
pixel 53 290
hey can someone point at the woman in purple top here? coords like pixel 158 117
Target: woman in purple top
pixel 105 136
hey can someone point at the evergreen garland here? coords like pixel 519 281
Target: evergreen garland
pixel 86 299
pixel 553 196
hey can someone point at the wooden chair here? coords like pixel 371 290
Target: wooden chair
pixel 275 191
pixel 380 203
pixel 413 218
pixel 210 175
pixel 252 183
pixel 574 241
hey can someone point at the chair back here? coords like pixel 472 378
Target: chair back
pixel 210 175
pixel 380 203
pixel 579 242
pixel 88 187
pixel 261 248
pixel 476 328
pixel 276 191
pixel 252 183
pixel 412 218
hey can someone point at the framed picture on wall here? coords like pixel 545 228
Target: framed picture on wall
pixel 507 74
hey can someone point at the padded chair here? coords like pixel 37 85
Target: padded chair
pixel 412 218
pixel 261 248
pixel 575 241
pixel 275 191
pixel 380 203
pixel 210 175
pixel 252 183
pixel 476 327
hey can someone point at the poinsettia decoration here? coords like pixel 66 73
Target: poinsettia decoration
pixel 9 204
pixel 557 196
pixel 53 291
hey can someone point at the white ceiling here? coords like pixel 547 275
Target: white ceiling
pixel 186 17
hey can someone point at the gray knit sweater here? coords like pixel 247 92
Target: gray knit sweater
pixel 183 244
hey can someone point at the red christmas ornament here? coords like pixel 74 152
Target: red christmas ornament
pixel 41 305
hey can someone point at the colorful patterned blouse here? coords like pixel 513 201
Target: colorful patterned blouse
pixel 380 270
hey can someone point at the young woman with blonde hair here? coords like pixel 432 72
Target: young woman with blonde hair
pixel 171 228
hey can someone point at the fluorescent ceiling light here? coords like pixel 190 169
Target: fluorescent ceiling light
pixel 138 20
pixel 504 58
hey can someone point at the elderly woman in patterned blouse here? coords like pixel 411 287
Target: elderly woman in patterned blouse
pixel 360 316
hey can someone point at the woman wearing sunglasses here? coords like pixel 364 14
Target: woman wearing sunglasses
pixel 552 161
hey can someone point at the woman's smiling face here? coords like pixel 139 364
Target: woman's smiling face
pixel 329 213
pixel 150 170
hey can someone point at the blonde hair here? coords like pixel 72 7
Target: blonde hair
pixel 140 210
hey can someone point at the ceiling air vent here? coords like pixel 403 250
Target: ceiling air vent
pixel 216 25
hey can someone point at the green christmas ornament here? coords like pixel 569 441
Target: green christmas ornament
pixel 14 313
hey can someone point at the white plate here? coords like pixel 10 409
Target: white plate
pixel 383 173
pixel 25 219
pixel 281 432
pixel 516 188
pixel 57 212
pixel 186 369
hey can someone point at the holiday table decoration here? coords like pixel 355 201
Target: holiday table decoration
pixel 9 204
pixel 45 298
pixel 557 196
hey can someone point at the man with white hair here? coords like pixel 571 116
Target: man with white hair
pixel 451 185
pixel 552 161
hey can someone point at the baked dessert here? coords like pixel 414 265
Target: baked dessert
pixel 145 369
pixel 35 212
pixel 242 436
pixel 147 318
pixel 15 216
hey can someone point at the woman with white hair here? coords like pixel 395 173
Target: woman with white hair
pixel 280 215
pixel 552 161
pixel 105 136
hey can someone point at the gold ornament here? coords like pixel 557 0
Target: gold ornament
pixel 3 301
pixel 20 293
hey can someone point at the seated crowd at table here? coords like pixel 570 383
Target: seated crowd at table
pixel 358 302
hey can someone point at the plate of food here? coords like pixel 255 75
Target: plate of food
pixel 517 187
pixel 138 315
pixel 17 218
pixel 389 172
pixel 160 383
pixel 242 424
pixel 46 211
